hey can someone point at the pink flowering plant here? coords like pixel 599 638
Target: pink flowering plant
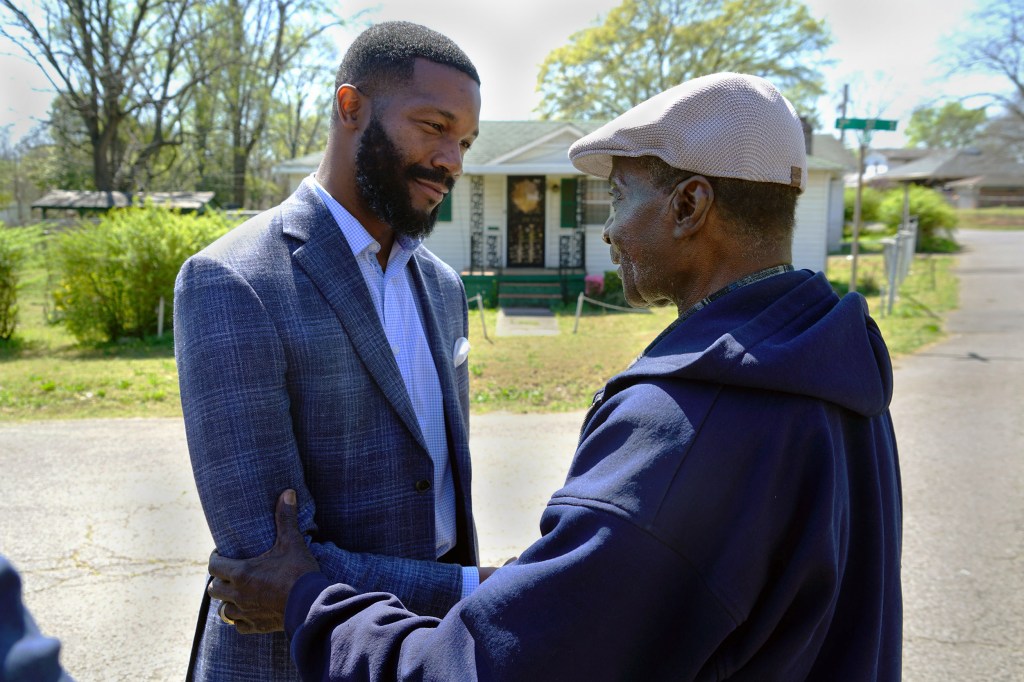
pixel 594 285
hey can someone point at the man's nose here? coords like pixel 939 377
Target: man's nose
pixel 449 157
pixel 604 230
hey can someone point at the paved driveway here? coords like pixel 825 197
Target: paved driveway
pixel 103 521
pixel 959 417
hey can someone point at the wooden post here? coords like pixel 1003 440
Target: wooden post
pixel 579 309
pixel 483 323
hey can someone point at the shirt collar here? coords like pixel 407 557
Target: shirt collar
pixel 738 284
pixel 355 234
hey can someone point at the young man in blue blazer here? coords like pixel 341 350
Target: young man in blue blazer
pixel 322 347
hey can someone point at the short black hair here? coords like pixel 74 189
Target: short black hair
pixel 762 212
pixel 385 55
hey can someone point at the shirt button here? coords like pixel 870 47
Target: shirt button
pixel 395 349
pixel 422 486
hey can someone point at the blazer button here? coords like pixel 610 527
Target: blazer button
pixel 422 486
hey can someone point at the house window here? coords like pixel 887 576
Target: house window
pixel 597 202
pixel 444 211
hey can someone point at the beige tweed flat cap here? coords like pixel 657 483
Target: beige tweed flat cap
pixel 728 125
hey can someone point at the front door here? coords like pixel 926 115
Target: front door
pixel 526 221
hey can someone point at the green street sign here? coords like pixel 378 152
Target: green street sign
pixel 865 124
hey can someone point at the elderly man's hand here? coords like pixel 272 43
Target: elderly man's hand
pixel 255 591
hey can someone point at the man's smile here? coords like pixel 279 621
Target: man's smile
pixel 434 190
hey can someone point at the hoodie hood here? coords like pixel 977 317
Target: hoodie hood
pixel 788 333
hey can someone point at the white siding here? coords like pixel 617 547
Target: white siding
pixel 599 257
pixel 450 240
pixel 809 240
pixel 835 216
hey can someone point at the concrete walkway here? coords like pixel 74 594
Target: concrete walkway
pixel 526 322
pixel 103 521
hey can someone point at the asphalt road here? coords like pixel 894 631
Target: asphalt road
pixel 102 519
pixel 959 416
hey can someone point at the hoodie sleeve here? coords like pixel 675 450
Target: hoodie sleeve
pixel 595 598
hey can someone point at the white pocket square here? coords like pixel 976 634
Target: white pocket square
pixel 461 350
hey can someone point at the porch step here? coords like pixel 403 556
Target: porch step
pixel 528 294
pixel 525 287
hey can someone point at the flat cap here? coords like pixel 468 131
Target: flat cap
pixel 727 125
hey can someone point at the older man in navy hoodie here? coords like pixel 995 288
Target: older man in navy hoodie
pixel 733 509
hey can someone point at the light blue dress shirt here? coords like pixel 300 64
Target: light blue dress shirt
pixel 400 316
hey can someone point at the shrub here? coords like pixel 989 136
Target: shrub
pixel 933 213
pixel 112 274
pixel 870 202
pixel 613 292
pixel 15 245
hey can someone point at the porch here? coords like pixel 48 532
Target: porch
pixel 525 287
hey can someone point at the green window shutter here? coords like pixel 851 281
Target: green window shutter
pixel 444 211
pixel 568 202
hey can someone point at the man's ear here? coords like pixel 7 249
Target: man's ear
pixel 351 104
pixel 691 201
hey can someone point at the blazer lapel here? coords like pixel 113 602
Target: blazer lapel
pixel 327 260
pixel 431 297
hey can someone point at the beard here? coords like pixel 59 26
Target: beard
pixel 382 181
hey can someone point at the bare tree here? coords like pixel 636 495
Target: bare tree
pixel 997 46
pixel 305 105
pixel 270 36
pixel 113 64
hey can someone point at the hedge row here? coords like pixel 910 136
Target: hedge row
pixel 933 212
pixel 112 274
pixel 16 244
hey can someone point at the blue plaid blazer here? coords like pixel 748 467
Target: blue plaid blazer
pixel 287 380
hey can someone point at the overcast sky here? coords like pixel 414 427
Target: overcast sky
pixel 886 50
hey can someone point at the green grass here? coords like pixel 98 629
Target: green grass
pixel 992 218
pixel 930 291
pixel 556 373
pixel 45 374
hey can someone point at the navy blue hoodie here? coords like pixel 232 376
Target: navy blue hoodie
pixel 733 511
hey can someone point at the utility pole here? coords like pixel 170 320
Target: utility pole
pixel 855 244
pixel 842 112
pixel 867 125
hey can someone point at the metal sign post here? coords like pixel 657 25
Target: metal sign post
pixel 867 125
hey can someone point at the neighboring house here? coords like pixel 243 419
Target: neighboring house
pixel 826 148
pixel 984 191
pixel 878 161
pixel 969 178
pixel 83 202
pixel 522 212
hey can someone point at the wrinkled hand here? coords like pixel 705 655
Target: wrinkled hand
pixel 255 591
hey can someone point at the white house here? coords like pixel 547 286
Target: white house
pixel 521 207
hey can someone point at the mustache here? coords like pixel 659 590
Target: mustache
pixel 439 175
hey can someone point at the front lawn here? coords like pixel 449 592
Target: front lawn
pixel 45 374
